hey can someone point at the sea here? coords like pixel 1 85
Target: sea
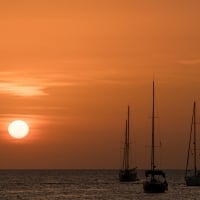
pixel 87 185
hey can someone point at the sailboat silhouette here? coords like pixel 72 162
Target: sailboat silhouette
pixel 155 179
pixel 194 178
pixel 127 174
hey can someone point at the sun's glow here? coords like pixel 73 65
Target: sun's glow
pixel 18 129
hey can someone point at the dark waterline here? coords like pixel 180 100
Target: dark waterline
pixel 86 184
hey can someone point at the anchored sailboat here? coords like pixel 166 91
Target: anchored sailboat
pixel 194 178
pixel 127 174
pixel 155 179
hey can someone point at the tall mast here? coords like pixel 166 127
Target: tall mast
pixel 195 155
pixel 126 143
pixel 152 144
pixel 128 135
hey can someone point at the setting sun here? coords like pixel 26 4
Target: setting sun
pixel 18 129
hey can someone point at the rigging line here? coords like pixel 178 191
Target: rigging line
pixel 133 154
pixel 158 131
pixel 158 120
pixel 121 152
pixel 188 154
pixel 147 157
pixel 131 143
pixel 195 167
pixel 125 162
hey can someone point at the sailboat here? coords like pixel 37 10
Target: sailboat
pixel 126 174
pixel 194 178
pixel 155 179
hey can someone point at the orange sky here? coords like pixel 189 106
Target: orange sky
pixel 70 68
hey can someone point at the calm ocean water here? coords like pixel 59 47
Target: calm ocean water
pixel 86 184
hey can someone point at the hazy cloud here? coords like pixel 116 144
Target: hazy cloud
pixel 189 62
pixel 30 84
pixel 21 90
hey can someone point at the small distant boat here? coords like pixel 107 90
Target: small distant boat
pixel 127 174
pixel 155 179
pixel 192 179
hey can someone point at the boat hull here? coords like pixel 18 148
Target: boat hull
pixel 154 186
pixel 128 175
pixel 192 180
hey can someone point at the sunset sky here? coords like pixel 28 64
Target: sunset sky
pixel 70 68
